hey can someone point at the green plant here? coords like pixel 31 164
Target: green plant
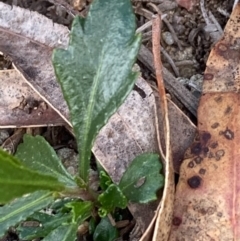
pixel 95 74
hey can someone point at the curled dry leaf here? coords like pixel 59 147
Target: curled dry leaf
pixel 207 197
pixel 20 106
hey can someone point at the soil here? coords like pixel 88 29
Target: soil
pixel 184 55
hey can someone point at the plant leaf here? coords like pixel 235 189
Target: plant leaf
pixel 105 231
pixel 95 72
pixel 142 179
pixel 48 224
pixel 105 180
pixel 112 198
pixel 21 208
pixel 16 179
pixel 80 210
pixel 66 232
pixel 37 154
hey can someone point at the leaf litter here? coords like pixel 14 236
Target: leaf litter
pixel 207 197
pixel 149 134
pixel 21 106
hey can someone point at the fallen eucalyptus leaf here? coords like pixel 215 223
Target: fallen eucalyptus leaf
pixel 28 39
pixel 207 196
pixel 20 106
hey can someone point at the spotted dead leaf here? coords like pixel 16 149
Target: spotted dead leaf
pixel 207 204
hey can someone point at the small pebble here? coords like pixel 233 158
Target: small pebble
pixel 196 82
pixel 167 37
pixel 69 159
pixel 71 170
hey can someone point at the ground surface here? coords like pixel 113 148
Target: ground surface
pixel 184 54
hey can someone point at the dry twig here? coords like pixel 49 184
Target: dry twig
pixel 170 28
pixel 204 12
pixel 173 86
pixel 166 207
pixel 144 26
pixel 143 12
pixel 69 9
pixel 161 88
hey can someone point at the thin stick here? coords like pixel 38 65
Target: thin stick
pixel 68 8
pixel 156 23
pixel 168 192
pixel 144 26
pixel 170 28
pixel 204 13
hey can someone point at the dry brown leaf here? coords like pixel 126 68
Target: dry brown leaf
pixel 207 197
pixel 20 106
pixel 28 38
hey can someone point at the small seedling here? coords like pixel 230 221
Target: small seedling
pixel 95 74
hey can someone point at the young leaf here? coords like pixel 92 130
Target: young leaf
pixel 37 154
pixel 112 198
pixel 16 179
pixel 142 179
pixel 80 210
pixel 105 231
pixel 66 232
pixel 21 208
pixel 105 180
pixel 95 72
